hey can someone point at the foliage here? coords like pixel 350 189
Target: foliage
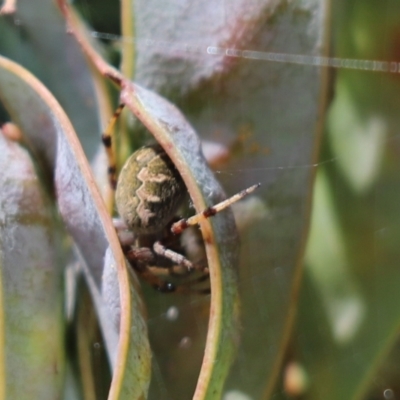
pixel 259 115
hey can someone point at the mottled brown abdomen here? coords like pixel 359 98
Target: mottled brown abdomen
pixel 149 190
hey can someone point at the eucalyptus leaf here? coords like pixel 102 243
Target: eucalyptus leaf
pixel 179 140
pixel 51 136
pixel 216 62
pixel 35 37
pixel 32 326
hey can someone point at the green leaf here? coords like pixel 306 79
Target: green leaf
pixel 215 64
pixel 179 140
pixel 32 363
pixel 36 37
pixel 53 139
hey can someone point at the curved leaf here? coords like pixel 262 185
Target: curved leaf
pixel 51 136
pixel 32 327
pixel 36 34
pixel 181 143
pixel 234 95
pixel 217 62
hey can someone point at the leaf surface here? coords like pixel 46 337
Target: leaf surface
pixel 228 68
pixel 32 363
pixel 53 140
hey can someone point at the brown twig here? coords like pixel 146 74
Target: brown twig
pixel 75 28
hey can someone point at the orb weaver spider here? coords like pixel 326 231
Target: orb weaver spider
pixel 148 192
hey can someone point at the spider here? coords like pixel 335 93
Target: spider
pixel 148 193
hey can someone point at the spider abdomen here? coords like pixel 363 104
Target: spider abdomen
pixel 149 190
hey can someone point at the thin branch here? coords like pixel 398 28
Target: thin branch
pixel 76 28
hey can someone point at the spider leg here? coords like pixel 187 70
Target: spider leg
pixel 139 259
pixel 151 276
pixel 143 260
pixel 145 255
pixel 175 257
pixel 180 226
pixel 107 139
